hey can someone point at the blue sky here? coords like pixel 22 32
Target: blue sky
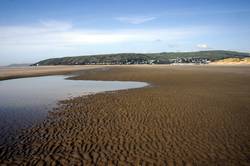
pixel 32 30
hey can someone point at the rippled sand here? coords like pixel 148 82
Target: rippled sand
pixel 190 115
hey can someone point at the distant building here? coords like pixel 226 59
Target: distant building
pixel 195 60
pixel 151 62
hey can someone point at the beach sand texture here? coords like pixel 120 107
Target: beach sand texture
pixel 190 115
pixel 20 72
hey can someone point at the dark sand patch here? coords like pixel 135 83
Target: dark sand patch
pixel 190 115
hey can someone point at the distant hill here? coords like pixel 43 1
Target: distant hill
pixel 19 65
pixel 140 58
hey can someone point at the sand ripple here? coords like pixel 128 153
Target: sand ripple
pixel 188 117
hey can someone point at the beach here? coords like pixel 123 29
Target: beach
pixel 188 115
pixel 21 72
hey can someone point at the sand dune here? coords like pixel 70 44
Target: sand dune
pixel 233 61
pixel 190 115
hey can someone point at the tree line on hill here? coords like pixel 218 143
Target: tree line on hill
pixel 200 57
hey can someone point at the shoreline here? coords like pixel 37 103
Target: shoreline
pixel 33 71
pixel 17 114
pixel 7 73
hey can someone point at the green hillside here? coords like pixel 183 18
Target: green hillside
pixel 134 58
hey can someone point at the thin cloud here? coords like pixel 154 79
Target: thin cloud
pixel 56 34
pixel 56 25
pixel 135 20
pixel 55 38
pixel 50 38
pixel 158 40
pixel 202 46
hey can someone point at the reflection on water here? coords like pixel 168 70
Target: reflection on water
pixel 26 101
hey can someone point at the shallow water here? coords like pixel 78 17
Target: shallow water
pixel 26 101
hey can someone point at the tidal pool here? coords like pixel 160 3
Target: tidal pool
pixel 26 101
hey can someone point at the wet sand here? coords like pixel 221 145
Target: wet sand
pixel 20 72
pixel 190 115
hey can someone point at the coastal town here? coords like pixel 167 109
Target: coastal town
pixel 191 60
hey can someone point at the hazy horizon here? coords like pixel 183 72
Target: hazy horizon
pixel 35 30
